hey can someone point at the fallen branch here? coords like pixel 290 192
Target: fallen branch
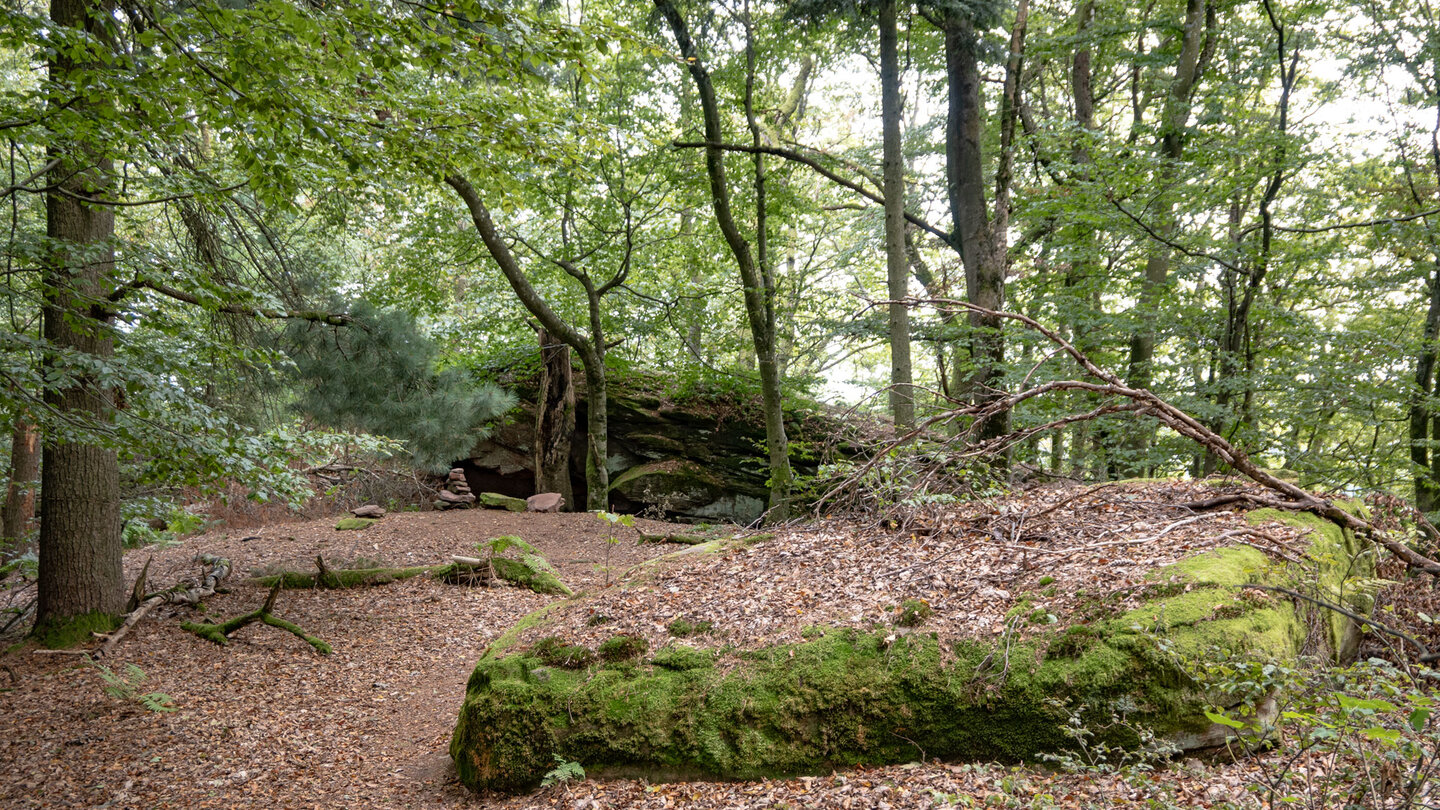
pixel 220 633
pixel 675 537
pixel 1145 402
pixel 187 592
pixel 1425 655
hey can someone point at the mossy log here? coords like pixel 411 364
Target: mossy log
pixel 342 578
pixel 220 633
pixel 532 571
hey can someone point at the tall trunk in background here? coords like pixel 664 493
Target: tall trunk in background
pixel 759 290
pixel 1083 269
pixel 19 509
pixel 982 241
pixel 1427 486
pixel 80 548
pixel 1174 117
pixel 554 419
pixel 902 396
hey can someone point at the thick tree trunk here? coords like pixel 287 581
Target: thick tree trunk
pixel 554 419
pixel 19 508
pixel 759 296
pixel 80 549
pixel 902 396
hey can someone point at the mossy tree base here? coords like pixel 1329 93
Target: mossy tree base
pixel 220 633
pixel 60 634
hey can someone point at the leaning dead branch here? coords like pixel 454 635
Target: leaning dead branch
pixel 187 592
pixel 1098 381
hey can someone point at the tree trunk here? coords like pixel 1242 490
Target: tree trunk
pixel 759 296
pixel 597 475
pixel 1427 488
pixel 1174 118
pixel 80 549
pixel 902 395
pixel 554 419
pixel 19 508
pixel 982 243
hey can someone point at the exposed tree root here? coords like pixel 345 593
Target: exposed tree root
pixel 220 633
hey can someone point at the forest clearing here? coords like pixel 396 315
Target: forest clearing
pixel 267 721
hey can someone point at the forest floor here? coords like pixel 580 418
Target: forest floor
pixel 268 722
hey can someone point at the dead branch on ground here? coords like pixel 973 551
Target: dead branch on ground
pixel 1141 401
pixel 220 633
pixel 186 592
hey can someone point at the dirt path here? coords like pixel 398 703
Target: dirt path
pixel 267 722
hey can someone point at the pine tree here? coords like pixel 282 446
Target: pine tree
pixel 381 375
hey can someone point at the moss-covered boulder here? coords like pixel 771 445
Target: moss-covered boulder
pixel 494 500
pixel 355 523
pixel 848 696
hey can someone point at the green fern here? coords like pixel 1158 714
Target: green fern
pixel 127 687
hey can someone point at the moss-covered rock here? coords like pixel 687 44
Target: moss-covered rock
pixel 355 523
pixel 494 500
pixel 845 696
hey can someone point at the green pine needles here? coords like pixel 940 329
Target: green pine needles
pixel 382 375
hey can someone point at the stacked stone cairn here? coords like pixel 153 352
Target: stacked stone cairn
pixel 456 494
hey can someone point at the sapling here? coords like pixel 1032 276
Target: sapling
pixel 614 520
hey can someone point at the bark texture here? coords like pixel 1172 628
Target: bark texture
pixel 902 396
pixel 80 547
pixel 554 419
pixel 19 508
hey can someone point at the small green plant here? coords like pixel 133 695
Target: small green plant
pixel 682 628
pixel 126 687
pixel 597 619
pixel 1046 581
pixel 612 541
pixel 1370 728
pixel 564 772
pixel 913 613
pixel 1093 753
pixel 622 648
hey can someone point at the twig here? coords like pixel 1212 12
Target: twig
pixel 1425 655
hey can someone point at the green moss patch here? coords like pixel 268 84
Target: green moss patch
pixel 61 634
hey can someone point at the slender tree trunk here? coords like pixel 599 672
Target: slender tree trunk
pixel 1174 118
pixel 554 419
pixel 597 473
pixel 597 437
pixel 80 548
pixel 902 396
pixel 19 508
pixel 1427 485
pixel 759 297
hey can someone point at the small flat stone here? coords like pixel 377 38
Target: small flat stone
pixel 369 510
pixel 545 502
pixel 454 498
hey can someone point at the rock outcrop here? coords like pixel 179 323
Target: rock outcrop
pixel 695 457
